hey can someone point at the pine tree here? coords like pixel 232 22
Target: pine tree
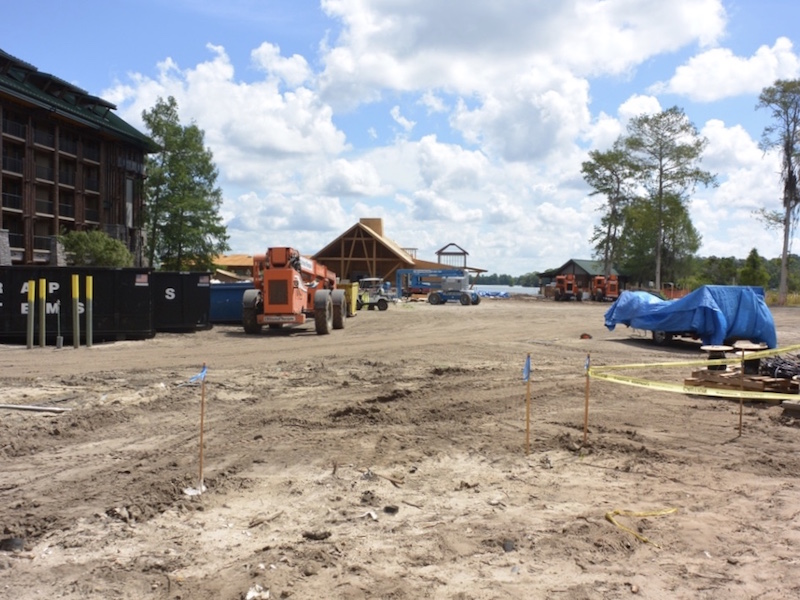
pixel 184 228
pixel 754 272
pixel 611 175
pixel 783 100
pixel 666 151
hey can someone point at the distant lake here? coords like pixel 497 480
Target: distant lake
pixel 511 289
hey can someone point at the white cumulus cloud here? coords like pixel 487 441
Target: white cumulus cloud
pixel 718 73
pixel 294 70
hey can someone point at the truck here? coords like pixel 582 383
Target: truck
pixel 605 288
pixel 290 289
pixel 567 288
pixel 442 285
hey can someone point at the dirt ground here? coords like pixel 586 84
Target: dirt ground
pixel 388 460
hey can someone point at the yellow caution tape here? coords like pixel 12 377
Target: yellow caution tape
pixel 600 372
pixel 626 513
pixel 717 361
pixel 696 390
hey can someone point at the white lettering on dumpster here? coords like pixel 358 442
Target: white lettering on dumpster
pixel 51 308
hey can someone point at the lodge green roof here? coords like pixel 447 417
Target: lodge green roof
pixel 25 82
pixel 590 267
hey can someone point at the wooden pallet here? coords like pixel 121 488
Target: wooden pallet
pixel 791 407
pixel 733 380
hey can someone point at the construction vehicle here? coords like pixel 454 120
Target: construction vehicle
pixel 454 289
pixel 605 288
pixel 567 288
pixel 442 285
pixel 423 281
pixel 419 288
pixel 288 289
pixel 420 282
pixel 372 294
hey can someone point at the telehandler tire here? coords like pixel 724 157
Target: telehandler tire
pixel 251 305
pixel 323 312
pixel 339 308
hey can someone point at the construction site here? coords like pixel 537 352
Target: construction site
pixel 403 457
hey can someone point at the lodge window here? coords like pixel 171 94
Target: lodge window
pixel 91 150
pixel 91 179
pixel 92 211
pixel 68 143
pixel 43 136
pixel 44 201
pixel 12 158
pixel 15 126
pixel 66 205
pixel 66 173
pixel 12 195
pixel 44 167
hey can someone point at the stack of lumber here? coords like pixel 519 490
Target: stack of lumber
pixel 732 379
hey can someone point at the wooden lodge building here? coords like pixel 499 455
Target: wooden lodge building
pixel 364 251
pixel 68 163
pixel 361 251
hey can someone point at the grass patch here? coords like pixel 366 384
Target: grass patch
pixel 792 299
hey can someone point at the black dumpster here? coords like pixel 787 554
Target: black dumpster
pixel 181 300
pixel 121 303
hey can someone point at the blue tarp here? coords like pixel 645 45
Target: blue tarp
pixel 488 294
pixel 713 313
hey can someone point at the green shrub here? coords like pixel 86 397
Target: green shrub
pixel 95 249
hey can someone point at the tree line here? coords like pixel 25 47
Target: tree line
pixel 527 280
pixel 648 177
pixel 712 270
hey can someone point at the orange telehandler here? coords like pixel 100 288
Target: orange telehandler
pixel 288 289
pixel 605 288
pixel 567 288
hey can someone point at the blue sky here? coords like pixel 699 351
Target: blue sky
pixel 463 126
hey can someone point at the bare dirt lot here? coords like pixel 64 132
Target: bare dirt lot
pixel 388 460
